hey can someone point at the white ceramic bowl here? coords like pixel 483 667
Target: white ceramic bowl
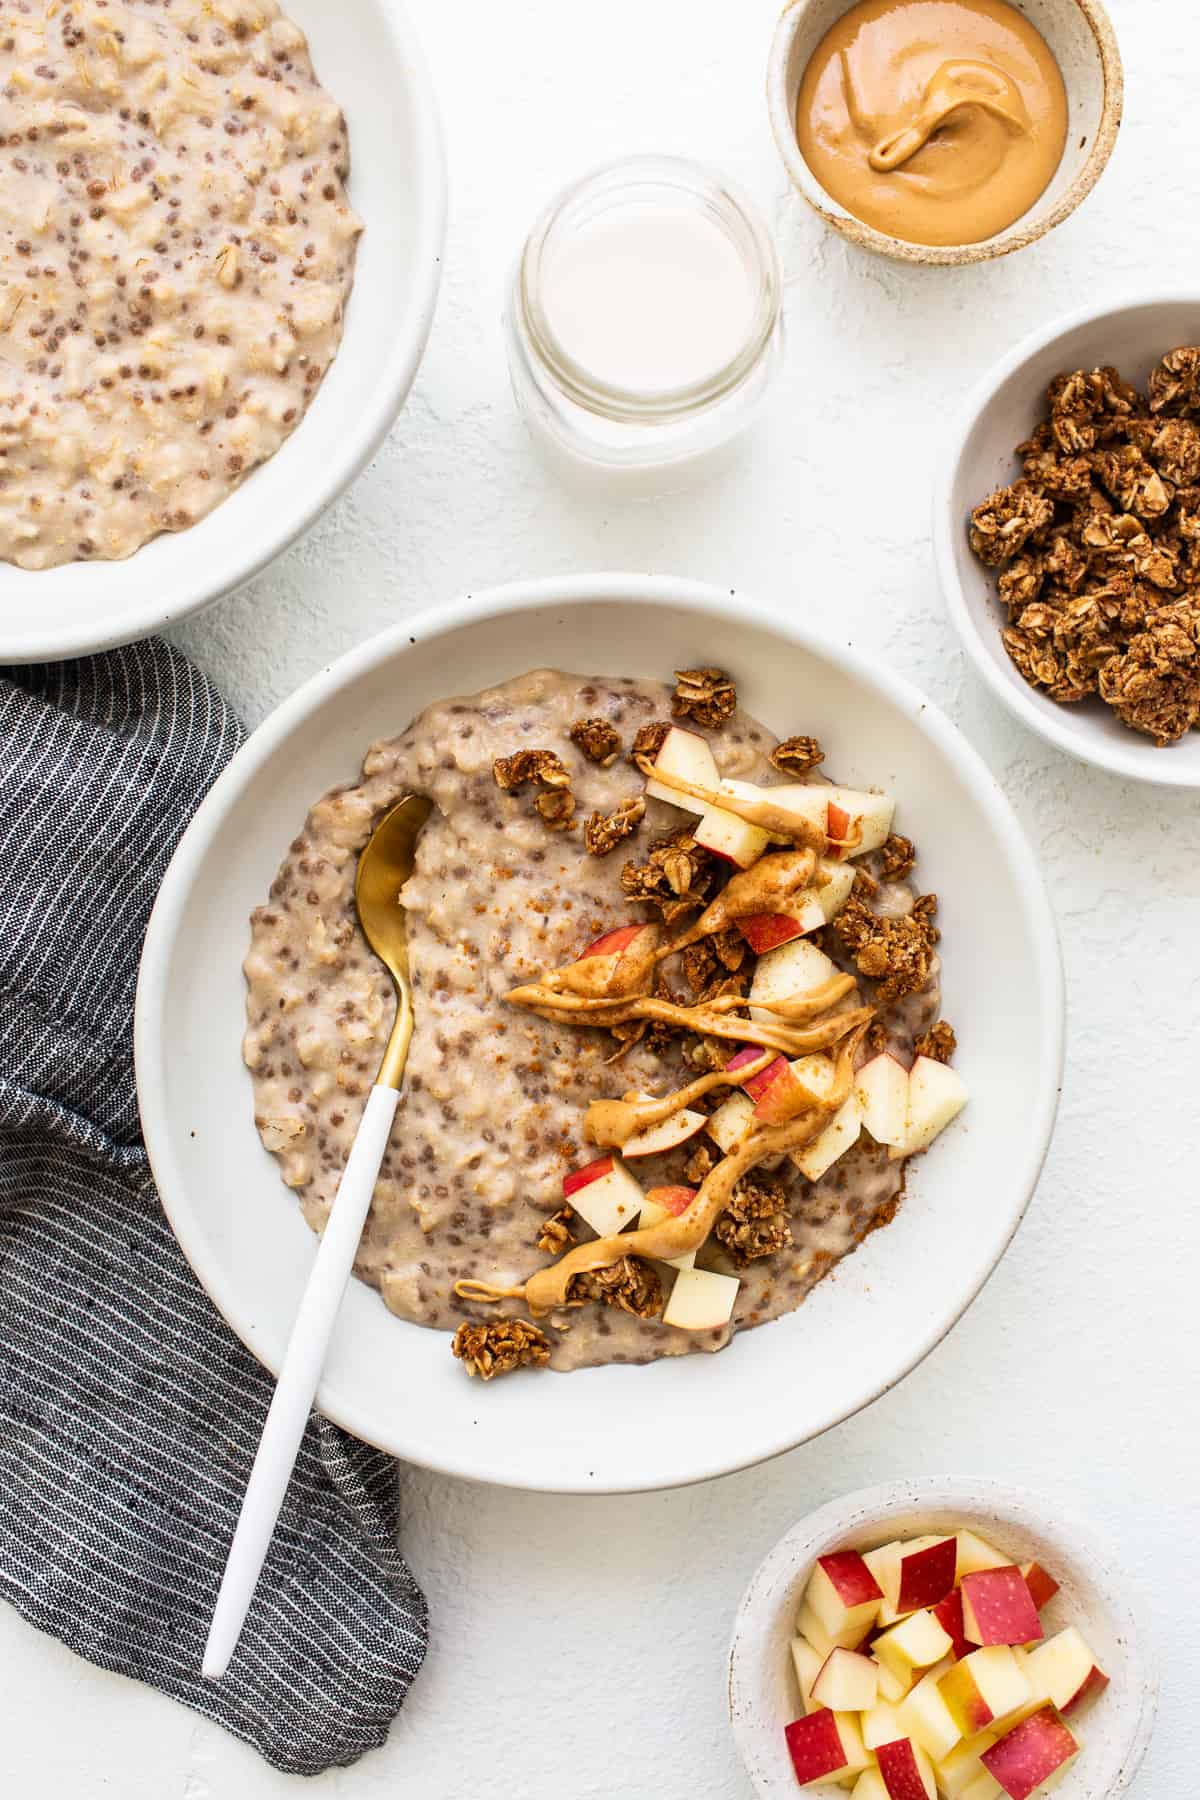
pixel 1096 1596
pixel 617 1428
pixel 980 456
pixel 368 56
pixel 1081 37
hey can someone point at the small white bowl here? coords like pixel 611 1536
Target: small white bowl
pixel 1084 44
pixel 980 456
pixel 368 56
pixel 1096 1596
pixel 685 1418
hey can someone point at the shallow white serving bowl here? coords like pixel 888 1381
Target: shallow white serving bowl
pixel 980 455
pixel 681 1420
pixel 1096 1596
pixel 1081 37
pixel 367 54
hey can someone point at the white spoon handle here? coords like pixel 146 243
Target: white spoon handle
pixel 298 1379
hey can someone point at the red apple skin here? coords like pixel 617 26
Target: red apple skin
pixel 837 825
pixel 927 1576
pixel 613 942
pixel 815 1746
pixel 1030 1754
pixel 1041 1584
pixel 1095 1684
pixel 674 1200
pixel 580 1178
pixel 764 931
pixel 898 1766
pixel 852 1580
pixel 1003 1608
pixel 758 1084
pixel 949 1615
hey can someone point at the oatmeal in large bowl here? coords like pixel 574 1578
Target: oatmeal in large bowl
pixel 677 1020
pixel 176 249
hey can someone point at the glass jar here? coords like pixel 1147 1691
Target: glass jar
pixel 613 264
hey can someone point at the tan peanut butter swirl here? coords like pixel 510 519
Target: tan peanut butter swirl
pixel 611 1123
pixel 675 1236
pixel 757 808
pixel 936 121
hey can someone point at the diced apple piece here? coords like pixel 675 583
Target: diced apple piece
pixel 728 1125
pixel 976 1553
pixel 927 1576
pixel 845 1637
pixel 755 1085
pixel 884 1564
pixel 731 839
pixel 780 1098
pixel 915 1643
pixel 998 1607
pixel 613 942
pixel 788 973
pixel 926 1717
pixel 881 1725
pixel 892 1687
pixel 984 1787
pixel 848 1682
pixel 808 1664
pixel 668 1203
pixel 865 818
pixel 843 1594
pixel 906 1772
pixel 684 754
pixel 1025 1759
pixel 984 1687
pixel 1064 1671
pixel 842 1131
pixel 824 1745
pixel 936 1095
pixel 836 881
pixel 962 1766
pixel 701 1300
pixel 869 1786
pixel 949 1615
pixel 657 1139
pixel 767 931
pixel 808 803
pixel 882 1088
pixel 1041 1584
pixel 604 1194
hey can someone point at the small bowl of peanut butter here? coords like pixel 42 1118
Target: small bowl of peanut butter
pixel 945 131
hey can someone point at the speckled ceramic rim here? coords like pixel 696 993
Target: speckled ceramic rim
pixel 1040 1516
pixel 1136 761
pixel 1017 237
pixel 554 596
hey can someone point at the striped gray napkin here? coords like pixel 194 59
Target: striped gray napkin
pixel 129 1412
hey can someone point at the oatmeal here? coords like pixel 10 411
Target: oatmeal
pixel 498 1108
pixel 176 249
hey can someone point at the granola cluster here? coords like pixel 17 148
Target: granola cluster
pixel 598 740
pixel 677 876
pixel 1098 546
pixel 895 953
pixel 755 1223
pixel 632 1284
pixel 705 695
pixel 604 831
pixel 797 755
pixel 500 1346
pixel 547 770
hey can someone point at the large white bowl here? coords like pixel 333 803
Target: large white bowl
pixel 367 54
pixel 1096 1595
pixel 980 455
pixel 680 1420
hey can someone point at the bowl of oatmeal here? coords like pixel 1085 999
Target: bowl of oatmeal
pixel 217 273
pixel 527 1146
pixel 1066 523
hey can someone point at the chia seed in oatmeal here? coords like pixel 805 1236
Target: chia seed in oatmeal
pixel 494 1098
pixel 176 248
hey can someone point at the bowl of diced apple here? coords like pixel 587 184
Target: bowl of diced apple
pixel 941 1639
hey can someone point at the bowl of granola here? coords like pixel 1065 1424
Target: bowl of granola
pixel 690 941
pixel 1067 536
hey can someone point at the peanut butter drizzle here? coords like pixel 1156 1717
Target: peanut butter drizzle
pixel 765 887
pixel 768 815
pixel 936 121
pixel 675 1236
pixel 788 1039
pixel 611 1123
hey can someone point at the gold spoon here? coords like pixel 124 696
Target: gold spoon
pixel 383 868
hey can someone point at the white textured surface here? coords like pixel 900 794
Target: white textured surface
pixel 579 1645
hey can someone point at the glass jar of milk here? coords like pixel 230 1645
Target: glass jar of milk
pixel 644 322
